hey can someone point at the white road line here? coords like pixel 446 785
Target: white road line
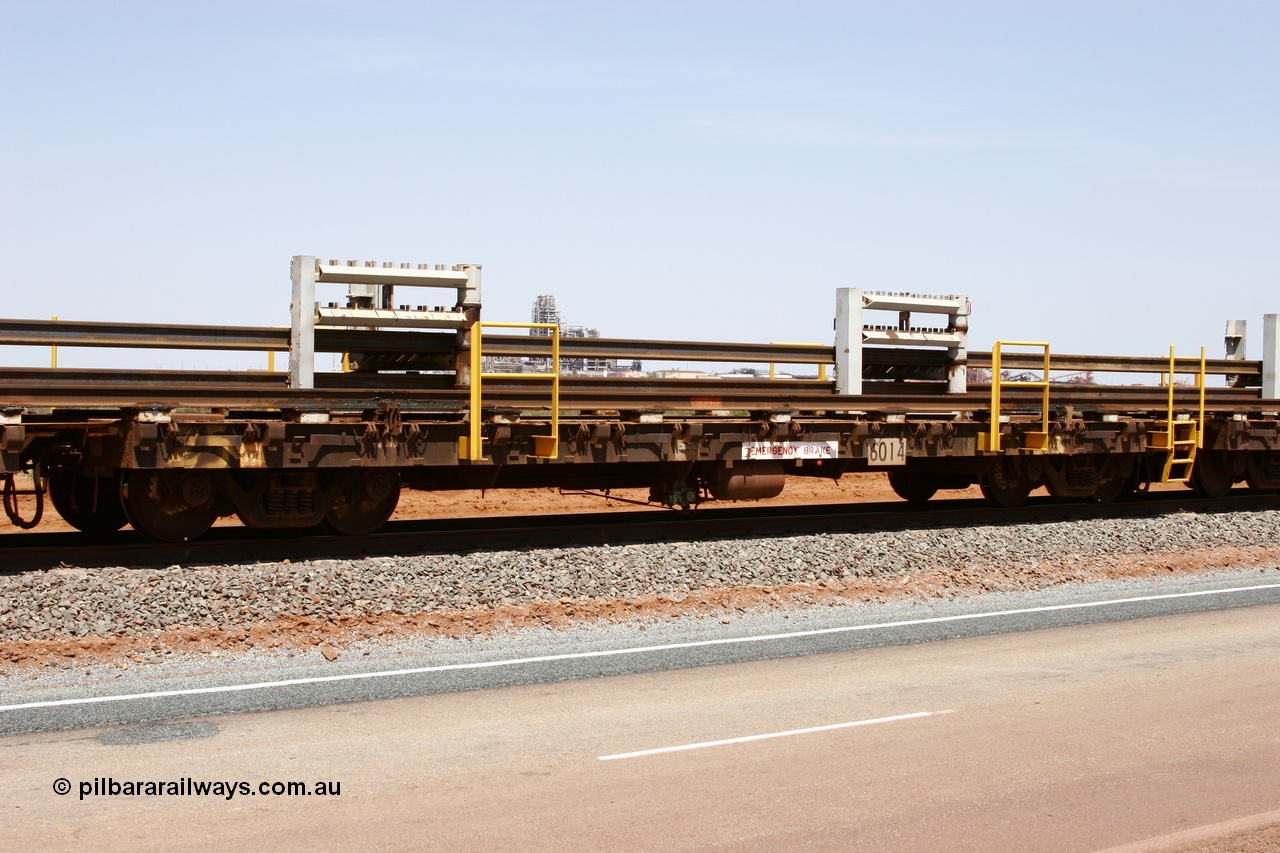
pixel 1201 836
pixel 749 738
pixel 635 650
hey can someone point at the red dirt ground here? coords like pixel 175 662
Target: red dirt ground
pixel 870 487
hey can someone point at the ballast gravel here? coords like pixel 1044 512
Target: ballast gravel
pixel 71 603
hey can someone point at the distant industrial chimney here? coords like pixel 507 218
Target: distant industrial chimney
pixel 545 311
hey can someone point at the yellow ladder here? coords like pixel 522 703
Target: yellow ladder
pixel 1180 439
pixel 1036 441
pixel 471 446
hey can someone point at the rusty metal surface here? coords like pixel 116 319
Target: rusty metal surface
pixel 1115 364
pixel 21 377
pixel 256 338
pixel 434 392
pixel 126 390
pixel 140 335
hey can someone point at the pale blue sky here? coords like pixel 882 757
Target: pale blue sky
pixel 1105 176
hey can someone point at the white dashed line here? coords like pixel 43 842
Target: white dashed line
pixel 788 733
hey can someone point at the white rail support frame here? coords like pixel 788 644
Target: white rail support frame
pixel 852 334
pixel 302 326
pixel 375 282
pixel 1236 340
pixel 1270 357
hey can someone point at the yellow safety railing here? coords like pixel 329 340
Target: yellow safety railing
pixel 545 446
pixel 822 365
pixel 1187 435
pixel 53 350
pixel 1032 440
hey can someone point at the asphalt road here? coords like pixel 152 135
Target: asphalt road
pixel 1078 737
pixel 248 684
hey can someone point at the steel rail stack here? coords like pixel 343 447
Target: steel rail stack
pixel 170 451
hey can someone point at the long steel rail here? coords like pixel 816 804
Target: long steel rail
pixel 62 333
pixel 35 388
pixel 586 396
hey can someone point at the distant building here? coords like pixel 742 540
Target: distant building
pixel 546 311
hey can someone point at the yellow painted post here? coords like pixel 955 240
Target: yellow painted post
pixel 1034 441
pixel 550 442
pixel 1171 435
pixel 993 443
pixel 555 394
pixel 53 350
pixel 1044 402
pixel 1200 427
pixel 271 361
pixel 473 439
pixel 822 365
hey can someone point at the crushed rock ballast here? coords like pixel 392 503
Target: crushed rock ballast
pixel 44 615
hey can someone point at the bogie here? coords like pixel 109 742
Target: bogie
pixel 88 502
pixel 1008 481
pixel 169 506
pixel 365 502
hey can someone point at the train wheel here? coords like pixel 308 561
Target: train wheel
pixel 1114 482
pixel 1004 484
pixel 1214 472
pixel 1262 470
pixel 365 504
pixel 88 503
pixel 169 506
pixel 911 487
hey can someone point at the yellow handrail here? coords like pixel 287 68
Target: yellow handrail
pixel 1034 440
pixel 1200 431
pixel 546 447
pixel 1200 383
pixel 822 365
pixel 1170 441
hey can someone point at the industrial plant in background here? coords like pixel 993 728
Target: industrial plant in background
pixel 545 311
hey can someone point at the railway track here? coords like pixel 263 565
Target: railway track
pixel 23 552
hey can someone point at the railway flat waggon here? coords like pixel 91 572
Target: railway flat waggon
pixel 428 399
